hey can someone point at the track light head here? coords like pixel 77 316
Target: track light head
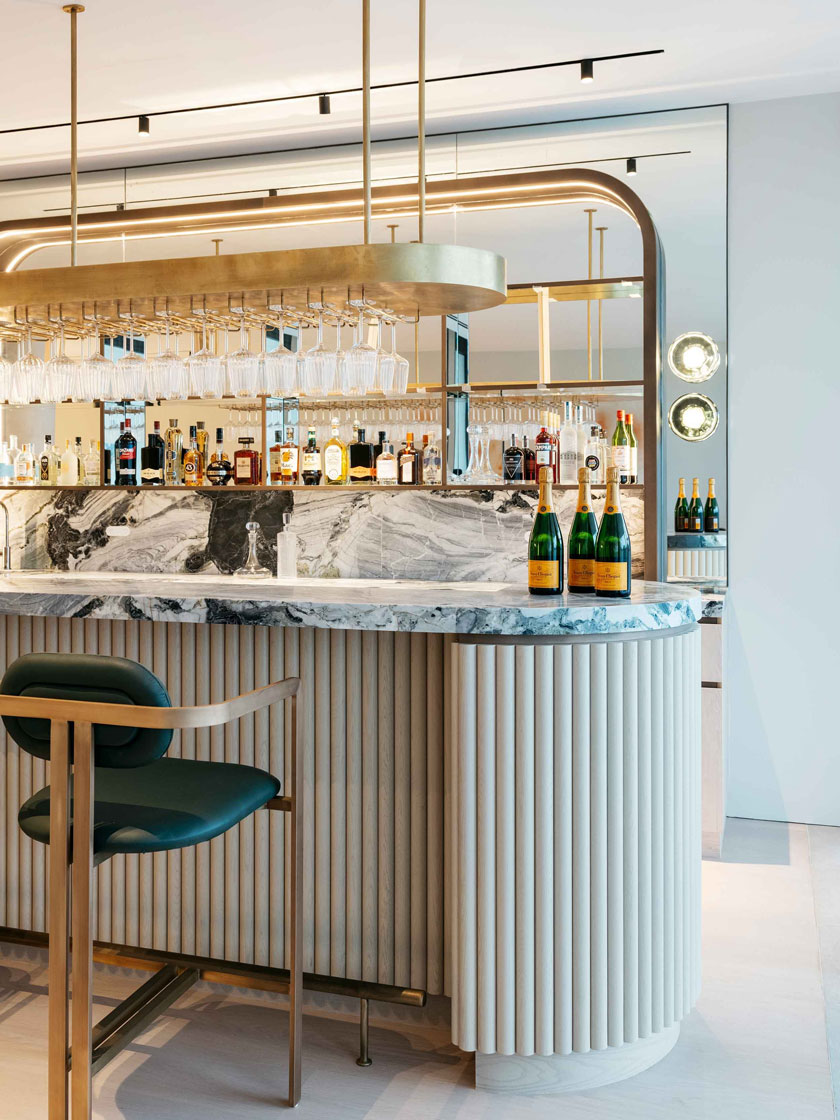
pixel 324 104
pixel 143 125
pixel 631 166
pixel 587 70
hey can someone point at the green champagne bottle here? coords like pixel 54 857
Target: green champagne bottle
pixel 621 449
pixel 545 548
pixel 612 549
pixel 681 510
pixel 582 538
pixel 695 509
pixel 711 514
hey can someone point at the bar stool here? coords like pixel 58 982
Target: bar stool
pixel 104 724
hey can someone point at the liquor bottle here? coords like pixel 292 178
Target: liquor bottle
pixel 545 449
pixel 681 510
pixel 173 454
pixel 25 466
pixel 289 459
pixel 125 453
pixel 152 458
pixel 568 448
pixel 386 465
pixel 80 461
pixel 336 457
pixel 513 461
pixel 409 464
pixel 193 461
pixel 432 466
pixel 361 459
pixel 621 449
pixel 219 470
pixel 47 466
pixel 711 514
pixel 634 449
pixel 545 547
pixel 92 464
pixel 695 508
pixel 612 548
pixel 593 457
pixel 202 438
pixel 582 538
pixel 530 461
pixel 311 460
pixel 7 466
pixel 275 453
pixel 246 463
pixel 582 435
pixel 377 447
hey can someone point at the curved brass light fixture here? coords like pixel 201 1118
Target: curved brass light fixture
pixel 693 417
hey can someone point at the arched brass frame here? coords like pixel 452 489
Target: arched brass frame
pixel 19 240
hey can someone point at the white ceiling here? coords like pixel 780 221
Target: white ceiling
pixel 139 57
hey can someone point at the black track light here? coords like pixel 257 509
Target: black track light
pixel 324 104
pixel 272 192
pixel 587 70
pixel 143 125
pixel 631 166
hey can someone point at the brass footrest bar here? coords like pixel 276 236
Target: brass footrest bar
pixel 232 972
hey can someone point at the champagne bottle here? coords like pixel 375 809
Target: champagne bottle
pixel 621 449
pixel 612 549
pixel 711 514
pixel 681 510
pixel 695 509
pixel 582 538
pixel 545 547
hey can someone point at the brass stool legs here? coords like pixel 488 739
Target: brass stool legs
pixel 59 940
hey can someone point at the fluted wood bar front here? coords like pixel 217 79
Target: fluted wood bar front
pixel 446 731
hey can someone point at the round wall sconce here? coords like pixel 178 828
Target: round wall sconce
pixel 694 356
pixel 693 417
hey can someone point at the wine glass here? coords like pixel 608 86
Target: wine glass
pixel 27 375
pixel 243 366
pixel 319 365
pixel 166 373
pixel 130 373
pixel 98 373
pixel 360 362
pixel 5 376
pixel 61 381
pixel 340 382
pixel 401 364
pixel 281 370
pixel 386 364
pixel 205 375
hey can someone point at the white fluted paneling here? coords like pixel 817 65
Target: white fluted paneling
pixel 372 711
pixel 595 841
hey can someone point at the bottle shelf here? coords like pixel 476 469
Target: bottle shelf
pixel 551 388
pixel 344 487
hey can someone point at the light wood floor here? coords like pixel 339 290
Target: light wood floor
pixel 756 1048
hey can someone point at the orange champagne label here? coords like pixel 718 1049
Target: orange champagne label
pixel 582 573
pixel 543 573
pixel 610 576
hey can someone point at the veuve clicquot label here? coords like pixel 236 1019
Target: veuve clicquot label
pixel 582 572
pixel 544 574
pixel 610 576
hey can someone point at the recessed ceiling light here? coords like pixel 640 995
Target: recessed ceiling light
pixel 631 166
pixel 143 125
pixel 587 70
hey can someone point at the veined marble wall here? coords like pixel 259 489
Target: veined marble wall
pixel 373 534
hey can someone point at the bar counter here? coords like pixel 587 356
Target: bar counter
pixel 501 797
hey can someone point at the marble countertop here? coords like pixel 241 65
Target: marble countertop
pixel 367 604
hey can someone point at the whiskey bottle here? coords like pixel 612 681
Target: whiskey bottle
pixel 695 508
pixel 409 465
pixel 275 453
pixel 174 451
pixel 612 548
pixel 246 464
pixel 545 546
pixel 711 513
pixel 202 439
pixel 335 457
pixel 219 470
pixel 513 460
pixel 311 460
pixel 125 453
pixel 361 459
pixel 193 461
pixel 152 458
pixel 582 538
pixel 289 456
pixel 386 465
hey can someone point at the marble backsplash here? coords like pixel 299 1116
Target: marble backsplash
pixel 375 534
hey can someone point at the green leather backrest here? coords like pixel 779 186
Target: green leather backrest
pixel 95 678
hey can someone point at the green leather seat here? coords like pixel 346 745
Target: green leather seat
pixel 142 802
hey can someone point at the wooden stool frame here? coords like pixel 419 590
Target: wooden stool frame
pixel 71 882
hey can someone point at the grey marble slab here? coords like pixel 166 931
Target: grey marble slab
pixel 697 540
pixel 425 606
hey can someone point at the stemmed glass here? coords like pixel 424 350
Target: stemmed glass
pixel 98 373
pixel 205 375
pixel 281 370
pixel 5 376
pixel 61 381
pixel 243 366
pixel 166 373
pixel 319 365
pixel 130 373
pixel 360 362
pixel 340 383
pixel 385 364
pixel 400 364
pixel 27 375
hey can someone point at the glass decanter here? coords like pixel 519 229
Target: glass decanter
pixel 252 566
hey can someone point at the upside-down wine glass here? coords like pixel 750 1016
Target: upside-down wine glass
pixel 243 366
pixel 61 381
pixel 205 373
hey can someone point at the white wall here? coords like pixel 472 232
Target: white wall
pixel 783 681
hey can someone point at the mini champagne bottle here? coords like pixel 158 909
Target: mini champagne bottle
pixel 695 509
pixel 681 510
pixel 545 547
pixel 711 514
pixel 612 549
pixel 582 538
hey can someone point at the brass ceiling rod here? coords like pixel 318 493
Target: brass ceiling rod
pixel 366 176
pixel 421 123
pixel 73 11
